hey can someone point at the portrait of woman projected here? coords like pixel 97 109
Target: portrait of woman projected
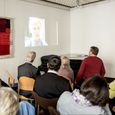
pixel 36 37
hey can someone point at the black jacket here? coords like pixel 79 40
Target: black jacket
pixel 51 85
pixel 27 69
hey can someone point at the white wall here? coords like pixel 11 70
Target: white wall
pixel 95 25
pixel 21 11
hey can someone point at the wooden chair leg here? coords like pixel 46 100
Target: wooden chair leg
pixel 38 109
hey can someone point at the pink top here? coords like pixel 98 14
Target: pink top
pixel 66 73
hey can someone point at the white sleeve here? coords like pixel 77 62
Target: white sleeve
pixel 107 110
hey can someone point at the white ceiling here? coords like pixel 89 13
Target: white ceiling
pixel 67 3
pixel 72 3
pixel 64 3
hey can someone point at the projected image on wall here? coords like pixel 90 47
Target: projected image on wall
pixel 36 32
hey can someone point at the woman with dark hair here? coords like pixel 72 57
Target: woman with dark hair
pixel 92 99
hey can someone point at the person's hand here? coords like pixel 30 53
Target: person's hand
pixel 11 79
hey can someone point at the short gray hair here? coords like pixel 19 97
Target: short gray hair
pixel 31 56
pixel 9 103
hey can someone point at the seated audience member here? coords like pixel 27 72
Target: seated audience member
pixel 65 69
pixel 27 69
pixel 50 84
pixel 92 65
pixel 112 96
pixel 9 103
pixel 25 108
pixel 92 99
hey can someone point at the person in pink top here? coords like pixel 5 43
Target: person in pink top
pixel 65 68
pixel 92 65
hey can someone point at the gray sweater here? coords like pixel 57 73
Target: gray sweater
pixel 68 106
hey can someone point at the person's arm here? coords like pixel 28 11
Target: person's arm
pixel 63 86
pixel 102 72
pixel 81 71
pixel 72 75
pixel 11 79
pixel 107 110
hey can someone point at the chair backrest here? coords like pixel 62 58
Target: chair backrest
pixel 44 102
pixel 26 83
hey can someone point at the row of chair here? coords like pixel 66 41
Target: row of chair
pixel 26 83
